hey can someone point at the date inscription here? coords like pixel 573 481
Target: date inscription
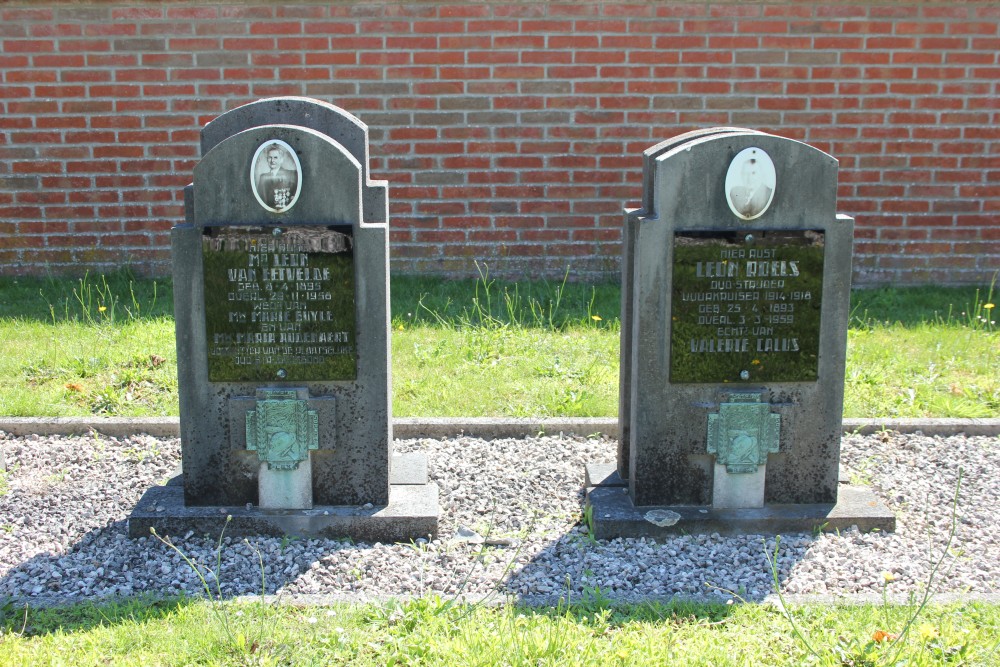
pixel 279 304
pixel 746 307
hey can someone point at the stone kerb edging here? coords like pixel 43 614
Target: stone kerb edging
pixel 481 427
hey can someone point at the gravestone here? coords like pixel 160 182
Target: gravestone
pixel 735 300
pixel 282 315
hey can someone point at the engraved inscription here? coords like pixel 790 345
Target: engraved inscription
pixel 279 304
pixel 746 307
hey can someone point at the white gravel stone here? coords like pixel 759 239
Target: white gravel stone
pixel 63 533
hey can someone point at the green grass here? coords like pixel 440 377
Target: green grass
pixel 478 348
pixel 429 631
pixel 91 346
pixel 105 346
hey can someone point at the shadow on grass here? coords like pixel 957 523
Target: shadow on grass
pixel 29 620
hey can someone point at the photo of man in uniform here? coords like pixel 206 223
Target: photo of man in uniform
pixel 750 183
pixel 277 186
pixel 751 196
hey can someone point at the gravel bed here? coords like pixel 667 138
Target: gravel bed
pixel 510 524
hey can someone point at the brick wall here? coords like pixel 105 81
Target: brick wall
pixel 510 132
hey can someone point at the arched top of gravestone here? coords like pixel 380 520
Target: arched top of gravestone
pixel 650 154
pixel 320 180
pixel 798 187
pixel 336 123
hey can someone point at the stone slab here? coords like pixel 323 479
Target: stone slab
pixel 413 512
pixel 334 122
pixel 614 515
pixel 673 394
pixel 606 474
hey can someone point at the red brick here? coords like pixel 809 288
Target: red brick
pixel 17 14
pixel 518 42
pixel 491 27
pixel 437 58
pixel 865 58
pixel 845 44
pixel 332 28
pixel 461 73
pixel 547 26
pixel 968 58
pixel 976 28
pixel 465 221
pixel 986 43
pixel 276 28
pixel 706 87
pixel 28 46
pixel 443 236
pixel 929 137
pixel 459 42
pixel 13 62
pixel 546 57
pixel 464 133
pixel 484 57
pixel 463 11
pixel 31 76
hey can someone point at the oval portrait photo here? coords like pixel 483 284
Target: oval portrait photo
pixel 275 176
pixel 750 183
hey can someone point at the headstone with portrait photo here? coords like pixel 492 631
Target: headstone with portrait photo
pixel 736 278
pixel 281 283
pixel 276 176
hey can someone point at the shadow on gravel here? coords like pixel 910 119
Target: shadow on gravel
pixel 576 569
pixel 105 565
pixel 573 570
pixel 110 570
pixel 61 549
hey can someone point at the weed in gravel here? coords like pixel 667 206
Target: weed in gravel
pixel 243 638
pixel 883 647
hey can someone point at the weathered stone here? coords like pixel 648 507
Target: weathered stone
pixel 282 314
pixel 735 300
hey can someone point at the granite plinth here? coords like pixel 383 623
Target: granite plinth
pixel 412 512
pixel 614 514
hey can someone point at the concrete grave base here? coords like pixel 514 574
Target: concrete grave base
pixel 413 512
pixel 614 515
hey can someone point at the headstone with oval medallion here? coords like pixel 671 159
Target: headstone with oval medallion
pixel 735 302
pixel 282 318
